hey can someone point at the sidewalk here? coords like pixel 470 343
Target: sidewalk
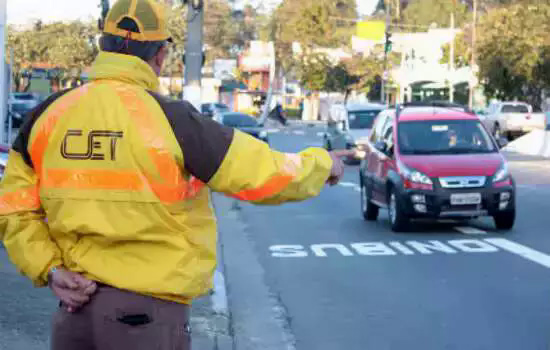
pixel 210 329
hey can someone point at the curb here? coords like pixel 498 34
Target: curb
pixel 258 319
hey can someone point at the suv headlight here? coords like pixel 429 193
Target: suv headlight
pixel 263 134
pixel 502 173
pixel 414 176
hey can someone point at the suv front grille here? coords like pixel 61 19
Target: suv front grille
pixel 463 181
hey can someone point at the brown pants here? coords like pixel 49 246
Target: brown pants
pixel 120 320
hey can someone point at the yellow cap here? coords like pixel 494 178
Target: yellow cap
pixel 148 15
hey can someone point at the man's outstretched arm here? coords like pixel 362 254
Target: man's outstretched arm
pixel 243 167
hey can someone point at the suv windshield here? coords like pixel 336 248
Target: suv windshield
pixel 444 137
pixel 239 120
pixel 515 109
pixel 362 119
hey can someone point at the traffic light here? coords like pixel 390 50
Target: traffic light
pixel 388 44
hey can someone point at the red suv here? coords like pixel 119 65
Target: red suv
pixel 435 162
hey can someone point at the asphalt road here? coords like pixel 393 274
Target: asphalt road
pixel 341 283
pixel 344 283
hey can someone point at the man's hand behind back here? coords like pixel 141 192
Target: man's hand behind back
pixel 71 288
pixel 337 170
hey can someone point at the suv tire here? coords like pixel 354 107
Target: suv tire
pixel 505 221
pixel 399 221
pixel 369 210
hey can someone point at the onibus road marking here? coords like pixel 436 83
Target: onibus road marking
pixel 393 248
pixel 411 248
pixel 470 230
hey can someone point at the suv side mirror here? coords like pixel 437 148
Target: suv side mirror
pixel 502 142
pixel 381 146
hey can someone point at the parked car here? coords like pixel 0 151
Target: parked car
pixel 512 119
pixel 244 123
pixel 21 103
pixel 435 162
pixel 349 127
pixel 211 109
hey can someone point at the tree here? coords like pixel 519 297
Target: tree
pixel 463 50
pixel 312 71
pixel 70 47
pixel 313 24
pixel 423 13
pixel 513 52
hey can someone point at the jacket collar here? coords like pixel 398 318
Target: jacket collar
pixel 124 68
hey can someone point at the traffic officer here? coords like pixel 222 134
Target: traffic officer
pixel 106 195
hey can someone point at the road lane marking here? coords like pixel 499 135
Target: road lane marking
pixel 299 132
pixel 320 134
pixel 521 250
pixel 470 230
pixel 356 187
pixel 409 248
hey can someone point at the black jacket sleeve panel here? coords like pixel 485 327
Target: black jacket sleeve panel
pixel 21 143
pixel 204 142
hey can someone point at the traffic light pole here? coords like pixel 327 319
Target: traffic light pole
pixel 3 74
pixel 104 4
pixel 193 52
pixel 383 87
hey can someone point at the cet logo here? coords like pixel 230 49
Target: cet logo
pixel 94 144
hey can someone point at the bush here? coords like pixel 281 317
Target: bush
pixel 292 113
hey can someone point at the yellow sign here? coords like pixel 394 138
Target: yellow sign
pixel 371 30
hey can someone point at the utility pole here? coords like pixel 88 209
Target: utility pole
pixel 3 74
pixel 452 60
pixel 193 52
pixel 473 61
pixel 387 47
pixel 104 4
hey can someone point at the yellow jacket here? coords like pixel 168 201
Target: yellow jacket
pixel 113 181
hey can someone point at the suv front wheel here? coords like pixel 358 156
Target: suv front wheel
pixel 368 209
pixel 398 218
pixel 505 221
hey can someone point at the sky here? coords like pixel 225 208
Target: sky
pixel 24 11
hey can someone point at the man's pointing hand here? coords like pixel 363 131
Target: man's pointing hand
pixel 337 170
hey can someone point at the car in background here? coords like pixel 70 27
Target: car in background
pixel 512 119
pixel 22 103
pixel 211 109
pixel 436 163
pixel 349 127
pixel 244 123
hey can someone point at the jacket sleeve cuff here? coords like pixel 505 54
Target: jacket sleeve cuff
pixel 43 280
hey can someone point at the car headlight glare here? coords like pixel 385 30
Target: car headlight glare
pixel 502 173
pixel 420 178
pixel 414 175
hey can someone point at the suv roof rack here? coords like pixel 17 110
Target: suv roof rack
pixel 441 104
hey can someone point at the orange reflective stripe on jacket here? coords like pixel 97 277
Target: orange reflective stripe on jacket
pixel 40 142
pixel 93 179
pixel 173 187
pixel 270 188
pixel 24 199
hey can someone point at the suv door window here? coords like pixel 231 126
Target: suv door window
pixel 377 127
